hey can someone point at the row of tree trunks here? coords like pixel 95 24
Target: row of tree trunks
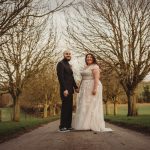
pixel 107 109
pixel 132 108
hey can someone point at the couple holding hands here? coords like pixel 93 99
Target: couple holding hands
pixel 89 106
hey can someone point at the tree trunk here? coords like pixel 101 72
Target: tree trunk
pixel 107 108
pixel 45 115
pixel 132 109
pixel 16 113
pixel 129 106
pixel 54 113
pixel 49 105
pixel 0 115
pixel 134 106
pixel 115 108
pixel 45 110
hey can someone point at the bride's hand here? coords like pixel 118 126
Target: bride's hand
pixel 94 92
pixel 77 90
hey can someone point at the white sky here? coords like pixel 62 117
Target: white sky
pixel 77 63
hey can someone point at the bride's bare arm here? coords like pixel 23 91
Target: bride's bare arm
pixel 96 74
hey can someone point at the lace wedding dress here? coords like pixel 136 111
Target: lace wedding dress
pixel 89 111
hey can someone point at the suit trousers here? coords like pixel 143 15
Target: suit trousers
pixel 66 111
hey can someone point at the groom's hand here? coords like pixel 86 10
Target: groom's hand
pixel 66 93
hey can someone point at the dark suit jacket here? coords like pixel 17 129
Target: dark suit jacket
pixel 65 77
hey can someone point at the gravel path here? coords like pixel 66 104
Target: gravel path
pixel 48 138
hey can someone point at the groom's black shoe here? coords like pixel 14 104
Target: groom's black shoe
pixel 64 130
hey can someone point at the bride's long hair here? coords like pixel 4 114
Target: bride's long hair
pixel 93 57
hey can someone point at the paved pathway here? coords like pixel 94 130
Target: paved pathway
pixel 48 138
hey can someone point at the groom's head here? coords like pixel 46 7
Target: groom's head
pixel 67 55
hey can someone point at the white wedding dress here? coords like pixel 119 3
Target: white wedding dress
pixel 89 111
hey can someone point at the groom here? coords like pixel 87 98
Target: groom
pixel 67 86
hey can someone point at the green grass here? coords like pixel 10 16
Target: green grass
pixel 143 120
pixel 144 109
pixel 140 122
pixel 122 109
pixel 9 129
pixel 6 114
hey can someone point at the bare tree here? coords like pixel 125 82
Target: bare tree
pixel 105 77
pixel 25 48
pixel 24 55
pixel 111 88
pixel 12 12
pixel 114 89
pixel 118 33
pixel 42 90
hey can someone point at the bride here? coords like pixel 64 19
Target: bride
pixel 89 112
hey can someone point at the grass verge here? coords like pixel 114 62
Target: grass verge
pixel 13 129
pixel 139 123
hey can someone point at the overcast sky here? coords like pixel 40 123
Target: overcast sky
pixel 77 63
